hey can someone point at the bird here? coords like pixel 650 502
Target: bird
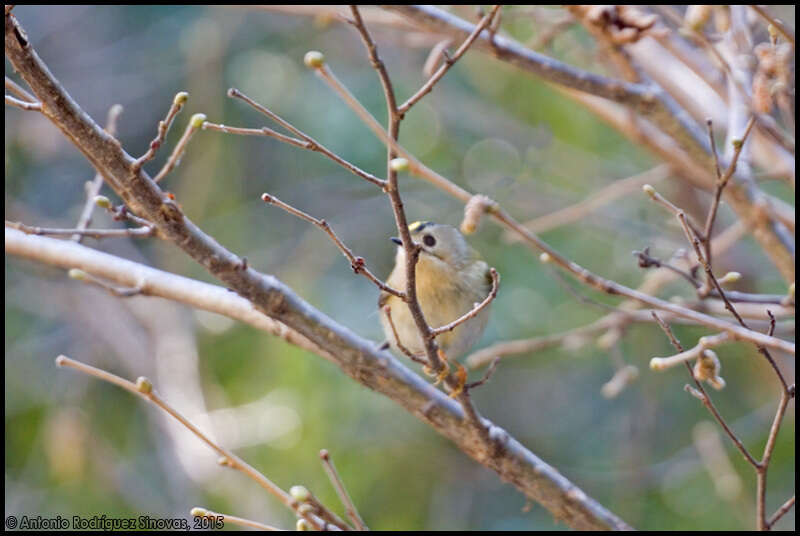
pixel 451 279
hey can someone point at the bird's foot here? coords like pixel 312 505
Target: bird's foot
pixel 445 369
pixel 461 376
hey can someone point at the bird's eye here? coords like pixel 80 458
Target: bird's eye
pixel 429 241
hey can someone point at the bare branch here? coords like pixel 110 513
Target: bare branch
pixel 785 507
pixel 722 181
pixel 449 62
pixel 400 346
pixel 28 106
pixel 150 282
pixel 163 128
pixel 144 389
pixel 663 363
pixel 195 124
pixel 356 263
pixel 93 187
pixel 700 393
pixel 778 25
pixel 307 141
pixel 610 193
pixel 435 332
pixel 341 491
pixel 18 90
pixel 761 482
pixel 139 232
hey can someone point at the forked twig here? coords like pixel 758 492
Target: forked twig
pixel 356 263
pixel 338 485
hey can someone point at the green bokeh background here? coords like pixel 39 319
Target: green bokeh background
pixel 77 446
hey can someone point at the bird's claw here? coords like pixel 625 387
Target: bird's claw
pixel 461 376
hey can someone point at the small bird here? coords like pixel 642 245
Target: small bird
pixel 451 280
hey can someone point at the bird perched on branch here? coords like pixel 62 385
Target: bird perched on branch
pixel 451 280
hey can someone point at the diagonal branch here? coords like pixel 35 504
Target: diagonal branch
pixel 356 263
pixel 475 310
pixel 449 61
pixel 144 389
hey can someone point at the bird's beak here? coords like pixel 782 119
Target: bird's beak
pixel 396 240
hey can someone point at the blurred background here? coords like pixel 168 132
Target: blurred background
pixel 77 446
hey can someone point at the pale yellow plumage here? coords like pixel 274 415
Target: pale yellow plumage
pixel 451 279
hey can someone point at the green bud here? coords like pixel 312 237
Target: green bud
pixel 544 258
pixel 773 32
pixel 198 120
pixel 302 524
pixel 730 277
pixel 102 201
pixel 649 190
pixel 180 98
pixel 198 512
pixel 78 274
pixel 300 493
pixel 398 164
pixel 314 59
pixel 737 143
pixel 143 385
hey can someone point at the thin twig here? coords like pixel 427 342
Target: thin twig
pixel 709 341
pixel 19 91
pixel 475 310
pixel 307 141
pixel 689 227
pixel 144 388
pixel 195 124
pixel 763 466
pixel 29 106
pixel 138 232
pixel 448 62
pixel 786 32
pixel 704 395
pixel 486 377
pixel 93 188
pixel 780 512
pixel 722 181
pixel 400 346
pixel 356 263
pixel 341 491
pixel 163 128
pixel 597 199
pixel 647 261
pixel 141 287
